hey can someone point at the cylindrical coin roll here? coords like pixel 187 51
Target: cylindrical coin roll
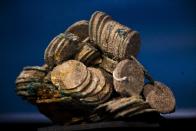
pixel 114 39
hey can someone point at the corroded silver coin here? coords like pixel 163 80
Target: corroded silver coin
pixel 128 78
pixel 77 91
pixel 69 75
pixel 160 97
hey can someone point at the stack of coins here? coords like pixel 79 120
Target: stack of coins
pixel 90 85
pixel 91 69
pixel 61 48
pixel 125 107
pixel 113 38
pixel 87 54
pixel 29 80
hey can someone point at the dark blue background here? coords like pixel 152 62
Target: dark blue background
pixel 167 27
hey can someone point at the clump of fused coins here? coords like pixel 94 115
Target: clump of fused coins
pixel 91 74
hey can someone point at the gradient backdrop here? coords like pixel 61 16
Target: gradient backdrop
pixel 167 27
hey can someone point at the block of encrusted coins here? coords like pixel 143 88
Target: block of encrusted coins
pixel 128 78
pixel 160 97
pixel 80 29
pixel 83 67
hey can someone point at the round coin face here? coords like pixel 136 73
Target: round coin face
pixel 128 78
pixel 77 92
pixel 69 75
pixel 160 97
